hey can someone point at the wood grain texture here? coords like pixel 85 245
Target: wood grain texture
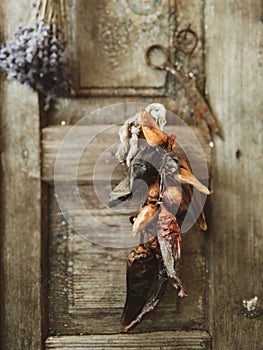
pixel 85 148
pixel 73 110
pixel 21 309
pixel 234 62
pixel 21 213
pixel 193 340
pixel 87 281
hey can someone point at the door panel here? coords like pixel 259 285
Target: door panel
pixel 108 41
pixel 115 35
pixel 87 282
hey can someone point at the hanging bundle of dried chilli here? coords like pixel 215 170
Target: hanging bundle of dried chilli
pixel 170 182
pixel 36 54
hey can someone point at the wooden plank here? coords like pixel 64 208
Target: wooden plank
pixel 21 299
pixel 83 151
pixel 193 340
pixel 87 281
pixel 21 213
pixel 234 34
pixel 70 111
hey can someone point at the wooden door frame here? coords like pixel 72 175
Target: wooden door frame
pixel 21 220
pixel 234 82
pixel 23 277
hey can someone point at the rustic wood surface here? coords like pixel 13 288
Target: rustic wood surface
pixel 233 74
pixel 97 139
pixel 87 281
pixel 193 340
pixel 21 215
pixel 71 110
pixel 21 308
pixel 234 62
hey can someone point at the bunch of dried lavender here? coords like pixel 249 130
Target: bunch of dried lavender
pixel 36 56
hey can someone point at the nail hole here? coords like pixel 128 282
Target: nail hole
pixel 238 154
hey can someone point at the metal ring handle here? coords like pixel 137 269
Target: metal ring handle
pixel 186 41
pixel 159 48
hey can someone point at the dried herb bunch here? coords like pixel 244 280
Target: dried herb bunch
pixel 170 182
pixel 36 54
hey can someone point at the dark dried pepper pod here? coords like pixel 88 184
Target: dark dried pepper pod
pixel 141 268
pixel 145 167
pixel 146 283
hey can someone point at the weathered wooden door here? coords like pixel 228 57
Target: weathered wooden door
pixel 60 290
